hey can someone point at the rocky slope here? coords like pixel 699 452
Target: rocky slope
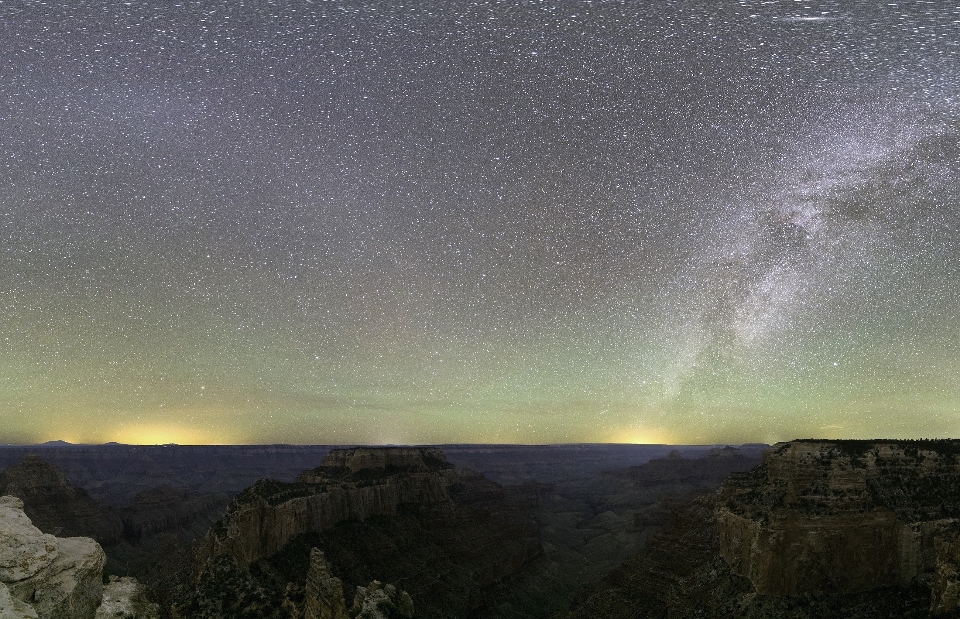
pixel 401 515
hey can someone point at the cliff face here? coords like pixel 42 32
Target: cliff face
pixel 846 516
pixel 350 484
pixel 400 515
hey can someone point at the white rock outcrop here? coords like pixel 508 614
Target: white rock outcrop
pixel 123 599
pixel 45 576
pixel 12 608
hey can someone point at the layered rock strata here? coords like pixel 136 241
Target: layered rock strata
pixel 350 484
pixel 846 516
pixel 393 514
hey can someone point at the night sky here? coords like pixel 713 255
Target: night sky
pixel 692 221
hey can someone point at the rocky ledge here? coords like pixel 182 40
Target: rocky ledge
pixel 45 576
pixel 48 577
pixel 847 516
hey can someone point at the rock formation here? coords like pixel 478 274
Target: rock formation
pixel 53 578
pixel 820 529
pixel 324 596
pixel 123 598
pixel 846 516
pixel 390 514
pixel 350 484
pixel 376 601
pixel 324 593
pixel 12 608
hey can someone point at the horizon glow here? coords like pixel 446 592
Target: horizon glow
pixel 351 222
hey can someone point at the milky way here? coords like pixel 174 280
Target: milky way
pixel 530 221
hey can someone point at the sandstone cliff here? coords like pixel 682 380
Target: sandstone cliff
pixel 846 516
pixel 378 514
pixel 350 484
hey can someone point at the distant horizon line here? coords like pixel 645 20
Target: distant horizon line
pixel 67 444
pixel 60 443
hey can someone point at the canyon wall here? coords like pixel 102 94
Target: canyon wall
pixel 351 484
pixel 379 515
pixel 846 516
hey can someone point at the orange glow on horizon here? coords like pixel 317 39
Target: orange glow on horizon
pixel 642 436
pixel 163 434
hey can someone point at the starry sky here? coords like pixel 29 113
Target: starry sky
pixel 424 221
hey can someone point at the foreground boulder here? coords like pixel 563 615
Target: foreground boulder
pixel 50 577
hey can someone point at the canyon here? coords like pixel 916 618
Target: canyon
pixel 379 515
pixel 804 529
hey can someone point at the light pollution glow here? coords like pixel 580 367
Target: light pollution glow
pixel 512 222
